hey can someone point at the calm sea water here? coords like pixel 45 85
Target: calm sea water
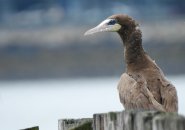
pixel 29 103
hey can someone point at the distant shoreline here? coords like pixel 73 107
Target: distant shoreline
pixel 59 52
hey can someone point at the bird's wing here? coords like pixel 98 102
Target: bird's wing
pixel 169 96
pixel 134 94
pixel 125 87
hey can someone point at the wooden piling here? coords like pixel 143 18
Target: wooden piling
pixel 75 124
pixel 127 120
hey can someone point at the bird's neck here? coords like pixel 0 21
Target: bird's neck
pixel 134 53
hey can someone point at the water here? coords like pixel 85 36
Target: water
pixel 30 103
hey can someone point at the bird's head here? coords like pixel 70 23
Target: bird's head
pixel 123 24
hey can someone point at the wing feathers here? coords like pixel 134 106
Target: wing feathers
pixel 169 96
pixel 134 94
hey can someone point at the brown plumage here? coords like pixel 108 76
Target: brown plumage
pixel 143 86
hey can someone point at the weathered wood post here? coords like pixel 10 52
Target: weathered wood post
pixel 75 124
pixel 168 121
pixel 128 120
pixel 133 120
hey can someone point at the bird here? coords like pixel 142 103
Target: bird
pixel 143 85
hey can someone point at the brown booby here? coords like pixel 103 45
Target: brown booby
pixel 143 86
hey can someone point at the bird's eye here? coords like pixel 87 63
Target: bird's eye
pixel 111 22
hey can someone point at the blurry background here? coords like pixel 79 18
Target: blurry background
pixel 49 70
pixel 44 38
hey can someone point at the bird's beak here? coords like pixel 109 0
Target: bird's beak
pixel 104 27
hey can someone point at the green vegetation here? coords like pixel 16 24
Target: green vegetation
pixel 32 128
pixel 113 116
pixel 85 126
pixel 69 121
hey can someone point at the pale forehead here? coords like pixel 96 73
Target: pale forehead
pixel 105 22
